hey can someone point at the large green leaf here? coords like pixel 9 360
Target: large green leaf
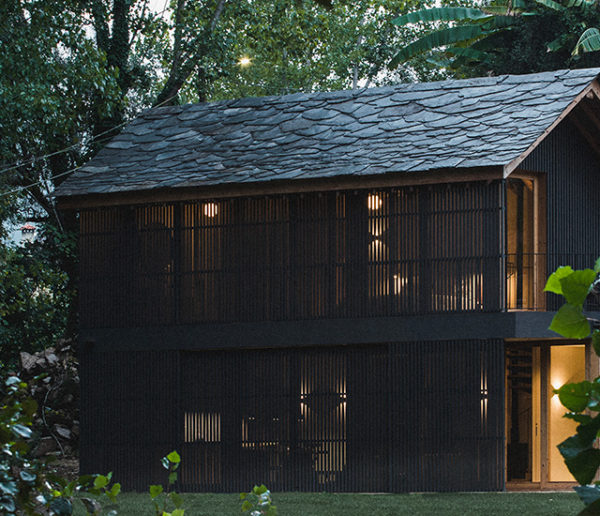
pixel 441 14
pixel 584 465
pixel 553 283
pixel 575 396
pixel 570 322
pixel 439 38
pixel 468 53
pixel 589 41
pixel 576 286
pixel 550 4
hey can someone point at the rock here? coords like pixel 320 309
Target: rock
pixel 45 446
pixel 27 361
pixel 63 432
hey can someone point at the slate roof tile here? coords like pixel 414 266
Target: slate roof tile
pixel 404 128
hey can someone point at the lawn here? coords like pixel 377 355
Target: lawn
pixel 326 504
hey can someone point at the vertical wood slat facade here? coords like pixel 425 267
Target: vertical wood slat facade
pixel 343 254
pixel 571 169
pixel 420 416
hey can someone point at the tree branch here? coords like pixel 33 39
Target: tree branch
pixel 183 68
pixel 100 26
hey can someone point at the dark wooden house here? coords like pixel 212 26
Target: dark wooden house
pixel 338 291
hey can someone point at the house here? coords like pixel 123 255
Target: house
pixel 338 291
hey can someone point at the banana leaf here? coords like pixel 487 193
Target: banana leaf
pixel 589 41
pixel 439 38
pixel 441 14
pixel 550 4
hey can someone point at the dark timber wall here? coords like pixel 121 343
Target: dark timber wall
pixel 573 179
pixel 349 254
pixel 417 416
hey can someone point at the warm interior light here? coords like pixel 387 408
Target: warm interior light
pixel 374 202
pixel 244 61
pixel 210 209
pixel 399 283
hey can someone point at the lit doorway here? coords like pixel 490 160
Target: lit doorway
pixel 534 415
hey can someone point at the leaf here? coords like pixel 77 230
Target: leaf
pixel 27 476
pixel 114 491
pixel 260 489
pixel 439 38
pixel 9 487
pixel 596 341
pixel 550 4
pixel 588 494
pixel 590 510
pixel 91 506
pixel 155 491
pixel 178 512
pixel 7 503
pixel 100 481
pixel 570 322
pixel 441 14
pixel 176 499
pixel 584 465
pixel 583 419
pixel 589 41
pixel 62 507
pixel 553 283
pixel 172 477
pixel 575 396
pixel 30 406
pixel 21 431
pixel 597 266
pixel 576 286
pixel 174 457
pixel 246 506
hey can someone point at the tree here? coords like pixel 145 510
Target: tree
pixel 517 37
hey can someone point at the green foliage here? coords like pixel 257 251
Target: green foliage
pixel 589 41
pixel 35 295
pixel 160 496
pixel 522 36
pixel 581 399
pixel 258 502
pixel 26 486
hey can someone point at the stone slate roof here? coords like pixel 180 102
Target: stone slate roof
pixel 405 128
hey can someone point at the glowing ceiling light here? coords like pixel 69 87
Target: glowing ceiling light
pixel 374 202
pixel 210 209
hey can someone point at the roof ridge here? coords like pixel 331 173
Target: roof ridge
pixel 333 94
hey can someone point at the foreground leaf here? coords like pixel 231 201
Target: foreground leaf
pixel 553 283
pixel 576 286
pixel 575 396
pixel 570 322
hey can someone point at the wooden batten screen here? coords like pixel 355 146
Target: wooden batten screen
pixel 422 416
pixel 342 254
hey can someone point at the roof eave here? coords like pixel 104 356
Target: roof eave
pixel 593 88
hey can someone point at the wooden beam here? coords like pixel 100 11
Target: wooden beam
pixel 592 139
pixel 544 419
pixel 280 187
pixel 517 161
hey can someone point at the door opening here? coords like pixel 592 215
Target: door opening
pixel 534 415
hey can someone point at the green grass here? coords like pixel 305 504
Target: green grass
pixel 326 504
